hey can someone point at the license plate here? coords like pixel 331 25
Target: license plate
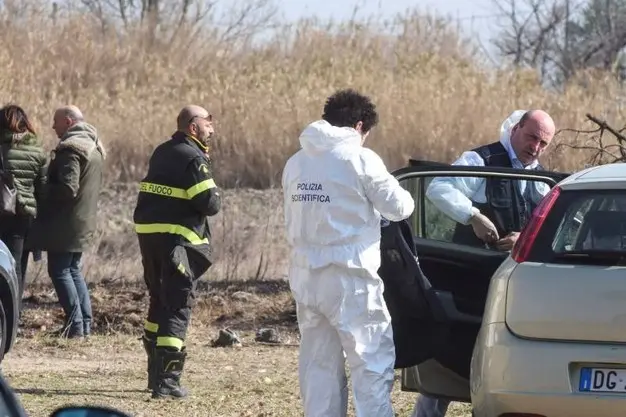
pixel 603 380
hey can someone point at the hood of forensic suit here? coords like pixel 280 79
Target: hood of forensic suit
pixel 507 125
pixel 320 136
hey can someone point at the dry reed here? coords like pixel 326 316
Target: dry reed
pixel 434 98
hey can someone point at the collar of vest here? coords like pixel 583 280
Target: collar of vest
pixel 506 144
pixel 183 137
pixel 499 154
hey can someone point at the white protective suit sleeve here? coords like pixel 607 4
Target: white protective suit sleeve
pixel 384 191
pixel 451 195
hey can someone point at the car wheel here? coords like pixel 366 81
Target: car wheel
pixel 3 330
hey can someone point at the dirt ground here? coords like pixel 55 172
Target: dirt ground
pixel 255 379
pixel 243 291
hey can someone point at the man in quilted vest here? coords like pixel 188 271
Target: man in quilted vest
pixel 491 212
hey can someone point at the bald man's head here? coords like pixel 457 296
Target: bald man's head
pixel 532 135
pixel 196 122
pixel 66 117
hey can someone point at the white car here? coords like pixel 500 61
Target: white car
pixel 539 331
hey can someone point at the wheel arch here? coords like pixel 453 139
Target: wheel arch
pixel 8 302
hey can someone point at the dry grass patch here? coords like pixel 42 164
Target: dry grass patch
pixel 248 237
pixel 435 96
pixel 254 380
pixel 120 309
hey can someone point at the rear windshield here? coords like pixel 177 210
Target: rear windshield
pixel 586 227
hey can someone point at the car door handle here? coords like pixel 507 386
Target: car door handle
pixel 453 313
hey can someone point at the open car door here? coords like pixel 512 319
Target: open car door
pixel 459 276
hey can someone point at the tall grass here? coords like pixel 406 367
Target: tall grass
pixel 434 96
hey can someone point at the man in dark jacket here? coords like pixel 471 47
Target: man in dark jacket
pixel 175 198
pixel 67 221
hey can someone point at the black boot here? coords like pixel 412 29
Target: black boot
pixel 169 366
pixel 150 346
pixel 86 329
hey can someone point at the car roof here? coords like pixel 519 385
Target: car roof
pixel 597 177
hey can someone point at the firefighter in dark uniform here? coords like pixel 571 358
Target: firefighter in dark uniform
pixel 175 198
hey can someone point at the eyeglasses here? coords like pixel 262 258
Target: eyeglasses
pixel 209 118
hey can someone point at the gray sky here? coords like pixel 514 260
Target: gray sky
pixel 475 16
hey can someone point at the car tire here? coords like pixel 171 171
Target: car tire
pixel 3 331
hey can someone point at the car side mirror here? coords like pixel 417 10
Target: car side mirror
pixel 87 411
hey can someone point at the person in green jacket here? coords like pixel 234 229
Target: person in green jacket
pixel 67 222
pixel 25 159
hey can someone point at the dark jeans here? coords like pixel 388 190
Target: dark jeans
pixel 13 230
pixel 71 289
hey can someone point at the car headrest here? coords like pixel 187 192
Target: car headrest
pixel 605 223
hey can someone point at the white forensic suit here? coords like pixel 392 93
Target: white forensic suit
pixel 454 195
pixel 335 192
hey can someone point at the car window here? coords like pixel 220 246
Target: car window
pixel 441 200
pixel 438 225
pixel 595 221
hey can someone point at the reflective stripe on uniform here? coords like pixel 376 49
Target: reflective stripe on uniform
pixel 165 341
pixel 200 187
pixel 167 191
pixel 150 326
pixel 175 229
pixel 162 190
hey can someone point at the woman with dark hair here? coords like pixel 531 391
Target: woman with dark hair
pixel 25 159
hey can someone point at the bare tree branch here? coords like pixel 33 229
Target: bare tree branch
pixel 601 153
pixel 254 15
pixel 561 37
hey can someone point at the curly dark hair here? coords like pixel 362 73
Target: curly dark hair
pixel 15 119
pixel 346 108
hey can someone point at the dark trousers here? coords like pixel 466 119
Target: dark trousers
pixel 171 283
pixel 13 231
pixel 25 255
pixel 72 291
